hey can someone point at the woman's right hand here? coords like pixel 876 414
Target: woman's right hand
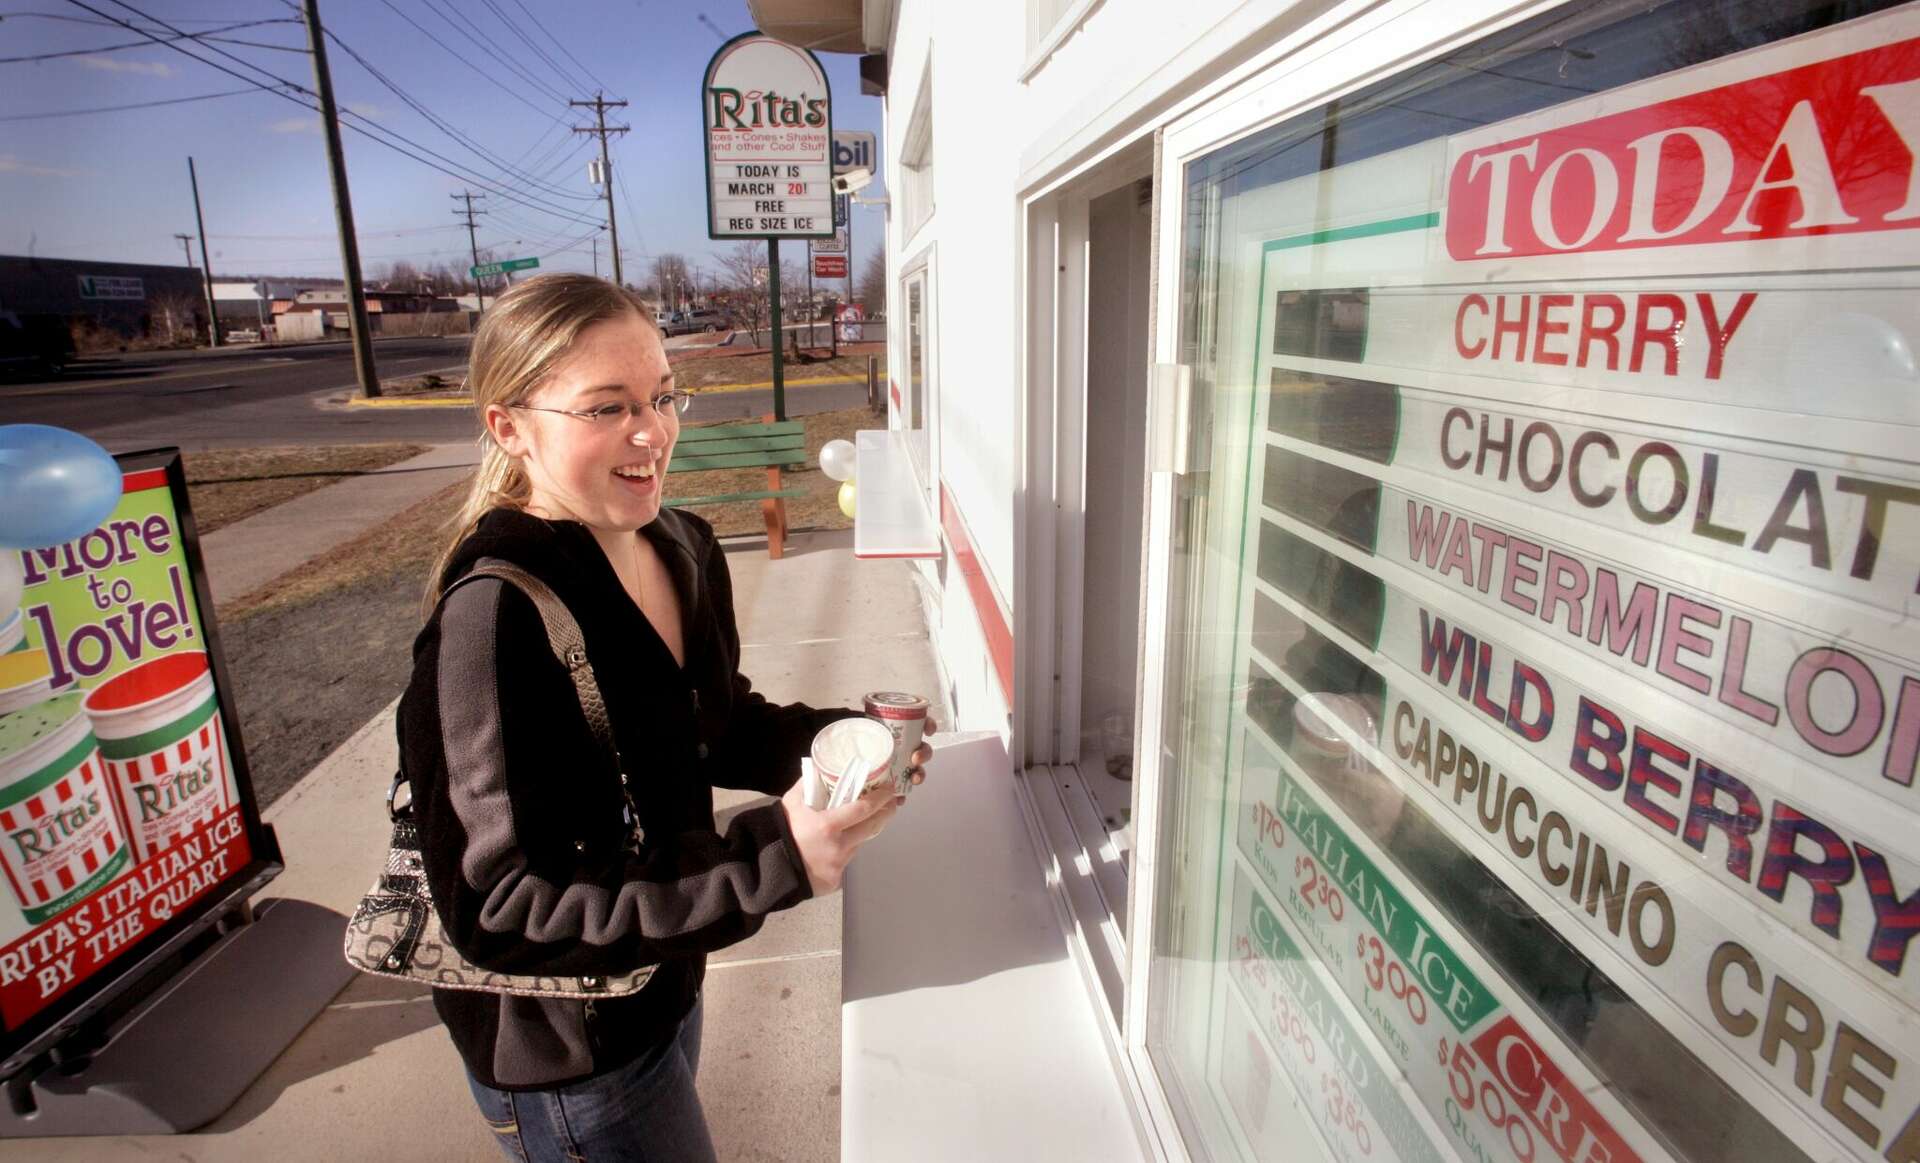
pixel 827 839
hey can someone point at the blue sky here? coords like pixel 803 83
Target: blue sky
pixel 113 186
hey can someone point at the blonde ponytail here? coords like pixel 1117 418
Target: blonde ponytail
pixel 520 339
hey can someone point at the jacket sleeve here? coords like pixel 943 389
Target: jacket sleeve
pixel 526 859
pixel 764 741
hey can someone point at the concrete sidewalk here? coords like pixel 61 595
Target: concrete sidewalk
pixel 246 555
pixel 375 1076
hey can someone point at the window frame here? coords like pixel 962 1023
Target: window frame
pixel 1363 42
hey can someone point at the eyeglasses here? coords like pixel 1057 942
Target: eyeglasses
pixel 668 404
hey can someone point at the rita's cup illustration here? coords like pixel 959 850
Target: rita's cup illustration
pixel 26 678
pixel 160 731
pixel 60 836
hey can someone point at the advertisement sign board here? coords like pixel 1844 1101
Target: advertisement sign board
pixel 853 149
pixel 829 266
pixel 768 118
pixel 127 816
pixel 835 245
pixel 111 287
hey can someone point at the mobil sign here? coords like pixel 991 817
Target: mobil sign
pixel 1735 164
pixel 853 149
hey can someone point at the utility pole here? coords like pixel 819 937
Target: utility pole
pixel 600 129
pixel 473 246
pixel 186 244
pixel 596 255
pixel 359 330
pixel 206 270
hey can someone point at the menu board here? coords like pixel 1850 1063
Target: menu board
pixel 1581 715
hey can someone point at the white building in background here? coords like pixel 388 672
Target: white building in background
pixel 1469 449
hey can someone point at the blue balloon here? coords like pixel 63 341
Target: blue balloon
pixel 55 485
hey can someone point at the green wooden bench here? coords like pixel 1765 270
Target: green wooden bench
pixel 767 445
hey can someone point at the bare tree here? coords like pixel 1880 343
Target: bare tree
pixel 444 280
pixel 873 282
pixel 672 281
pixel 402 276
pixel 743 276
pixel 177 315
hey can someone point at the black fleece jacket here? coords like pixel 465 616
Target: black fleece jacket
pixel 520 810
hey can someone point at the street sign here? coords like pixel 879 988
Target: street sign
pixel 840 210
pixel 835 245
pixel 111 287
pixel 853 149
pixel 829 266
pixel 768 119
pixel 487 270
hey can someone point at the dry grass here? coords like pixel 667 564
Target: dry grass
pixel 228 485
pixel 399 552
pixel 396 553
pixel 702 369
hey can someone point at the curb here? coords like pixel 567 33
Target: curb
pixel 403 402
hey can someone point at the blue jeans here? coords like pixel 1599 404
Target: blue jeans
pixel 645 1112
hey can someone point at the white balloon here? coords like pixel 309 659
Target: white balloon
pixel 837 459
pixel 13 581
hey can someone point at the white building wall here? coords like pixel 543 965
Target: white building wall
pixel 1007 124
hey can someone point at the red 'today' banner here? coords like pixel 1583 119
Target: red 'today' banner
pixel 1826 148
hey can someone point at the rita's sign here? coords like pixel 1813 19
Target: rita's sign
pixel 1738 151
pixel 768 118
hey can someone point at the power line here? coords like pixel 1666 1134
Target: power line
pixel 400 233
pixel 562 47
pixel 573 243
pixel 106 48
pixel 451 130
pixel 465 60
pixel 558 71
pixel 453 18
pixel 373 132
pixel 134 105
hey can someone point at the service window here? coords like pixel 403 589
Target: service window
pixel 1545 677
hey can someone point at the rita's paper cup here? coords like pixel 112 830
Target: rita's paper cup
pixel 60 835
pixel 160 731
pixel 857 742
pixel 26 678
pixel 905 717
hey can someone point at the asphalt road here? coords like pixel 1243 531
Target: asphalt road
pixel 291 395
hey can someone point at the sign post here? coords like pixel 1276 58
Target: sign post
pixel 853 149
pixel 768 117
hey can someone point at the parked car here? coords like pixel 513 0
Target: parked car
pixel 34 344
pixel 704 319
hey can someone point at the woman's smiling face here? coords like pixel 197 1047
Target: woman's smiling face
pixel 606 472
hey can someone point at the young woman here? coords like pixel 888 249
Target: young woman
pixel 521 813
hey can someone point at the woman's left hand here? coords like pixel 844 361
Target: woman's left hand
pixel 917 773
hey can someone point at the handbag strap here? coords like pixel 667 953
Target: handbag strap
pixel 563 635
pixel 570 648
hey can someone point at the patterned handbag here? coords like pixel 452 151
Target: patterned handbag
pixel 395 931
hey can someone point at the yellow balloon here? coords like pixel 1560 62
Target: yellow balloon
pixel 846 498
